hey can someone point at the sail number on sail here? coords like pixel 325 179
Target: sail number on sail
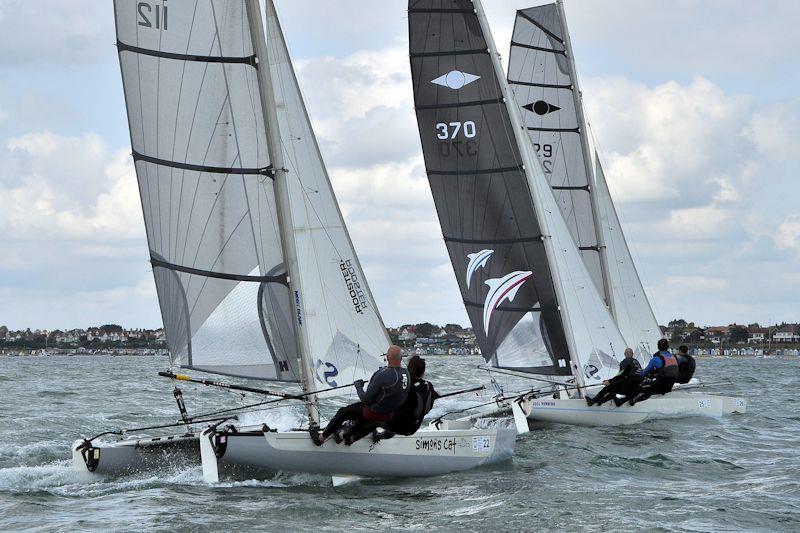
pixel 153 16
pixel 545 151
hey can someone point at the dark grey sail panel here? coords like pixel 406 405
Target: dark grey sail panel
pixel 481 191
pixel 539 76
pixel 197 136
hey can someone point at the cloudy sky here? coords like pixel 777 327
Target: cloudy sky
pixel 694 104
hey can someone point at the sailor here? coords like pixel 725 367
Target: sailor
pixel 387 390
pixel 626 382
pixel 663 370
pixel 408 418
pixel 686 365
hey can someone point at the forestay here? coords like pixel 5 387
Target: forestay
pixel 346 335
pixel 541 78
pixel 633 313
pixel 481 192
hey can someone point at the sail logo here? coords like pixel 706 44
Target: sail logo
pixel 476 261
pixel 324 372
pixel 455 79
pixel 355 291
pixel 501 289
pixel 540 107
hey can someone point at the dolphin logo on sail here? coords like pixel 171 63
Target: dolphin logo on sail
pixel 500 289
pixel 476 261
pixel 455 79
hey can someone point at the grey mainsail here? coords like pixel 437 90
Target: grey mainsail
pixel 481 192
pixel 221 223
pixel 541 77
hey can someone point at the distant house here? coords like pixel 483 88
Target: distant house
pixel 718 334
pixel 787 333
pixel 757 335
pixel 406 335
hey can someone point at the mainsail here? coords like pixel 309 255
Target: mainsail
pixel 542 78
pixel 212 215
pixel 531 300
pixel 632 310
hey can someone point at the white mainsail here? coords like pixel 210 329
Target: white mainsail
pixel 632 309
pixel 214 205
pixel 542 77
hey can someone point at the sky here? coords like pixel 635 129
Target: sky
pixel 693 104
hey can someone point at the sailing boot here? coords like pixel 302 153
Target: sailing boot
pixel 316 436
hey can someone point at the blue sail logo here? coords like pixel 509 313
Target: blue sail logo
pixel 476 261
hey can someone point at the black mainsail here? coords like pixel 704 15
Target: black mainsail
pixel 481 192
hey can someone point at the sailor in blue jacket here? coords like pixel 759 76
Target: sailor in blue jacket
pixel 663 370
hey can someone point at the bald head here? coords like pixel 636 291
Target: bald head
pixel 628 353
pixel 394 355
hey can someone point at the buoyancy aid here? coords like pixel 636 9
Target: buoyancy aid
pixel 670 368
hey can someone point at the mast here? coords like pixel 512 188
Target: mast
pixel 275 147
pixel 587 159
pixel 524 146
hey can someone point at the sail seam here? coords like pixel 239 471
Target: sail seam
pixel 461 104
pixel 545 85
pixel 247 60
pixel 570 188
pixel 593 248
pixel 548 32
pixel 412 55
pixel 472 172
pixel 265 171
pixel 536 308
pixel 539 48
pixel 219 275
pixel 565 130
pixel 439 10
pixel 493 241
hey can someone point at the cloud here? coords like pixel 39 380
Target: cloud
pixel 54 186
pixel 63 32
pixel 788 234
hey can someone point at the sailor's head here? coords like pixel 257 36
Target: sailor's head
pixel 416 367
pixel 628 353
pixel 663 344
pixel 394 355
pixel 683 349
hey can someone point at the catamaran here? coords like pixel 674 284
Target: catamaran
pixel 255 271
pixel 544 269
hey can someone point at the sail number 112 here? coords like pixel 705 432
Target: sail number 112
pixel 152 16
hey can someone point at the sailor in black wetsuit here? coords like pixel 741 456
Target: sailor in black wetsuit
pixel 387 390
pixel 626 382
pixel 686 365
pixel 408 417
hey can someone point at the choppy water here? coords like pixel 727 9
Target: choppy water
pixel 693 474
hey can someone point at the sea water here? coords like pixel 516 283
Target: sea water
pixel 692 474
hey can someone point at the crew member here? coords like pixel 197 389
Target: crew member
pixel 626 382
pixel 387 390
pixel 686 365
pixel 408 417
pixel 663 370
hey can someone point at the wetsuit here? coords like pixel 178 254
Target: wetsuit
pixel 686 368
pixel 664 369
pixel 626 382
pixel 407 419
pixel 387 390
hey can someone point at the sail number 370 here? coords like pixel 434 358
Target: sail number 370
pixel 449 130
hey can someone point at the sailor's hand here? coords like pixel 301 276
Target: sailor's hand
pixel 359 383
pixel 605 382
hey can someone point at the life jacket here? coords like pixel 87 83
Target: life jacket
pixel 686 368
pixel 395 383
pixel 630 367
pixel 423 391
pixel 408 418
pixel 670 368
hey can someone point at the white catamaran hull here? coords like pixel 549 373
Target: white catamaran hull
pixel 428 452
pixel 673 405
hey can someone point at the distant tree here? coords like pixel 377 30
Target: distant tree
pixel 452 328
pixel 426 329
pixel 108 328
pixel 738 334
pixel 393 337
pixel 3 332
pixel 677 323
pixel 696 335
